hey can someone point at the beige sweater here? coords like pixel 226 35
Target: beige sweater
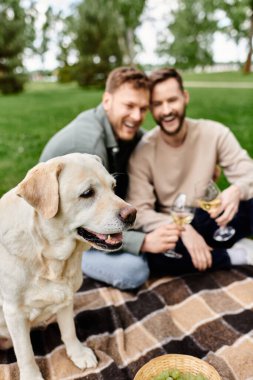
pixel 158 171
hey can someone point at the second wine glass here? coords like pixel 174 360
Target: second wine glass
pixel 208 195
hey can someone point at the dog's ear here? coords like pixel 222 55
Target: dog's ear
pixel 40 188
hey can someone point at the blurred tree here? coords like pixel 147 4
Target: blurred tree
pixel 127 18
pixel 105 37
pixel 189 36
pixel 46 30
pixel 16 33
pixel 192 26
pixel 239 14
pixel 56 32
pixel 67 49
pixel 66 37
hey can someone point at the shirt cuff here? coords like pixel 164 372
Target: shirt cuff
pixel 132 241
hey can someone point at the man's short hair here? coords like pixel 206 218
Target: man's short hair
pixel 161 75
pixel 121 75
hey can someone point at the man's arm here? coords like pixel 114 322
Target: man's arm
pixel 83 135
pixel 160 234
pixel 60 144
pixel 165 237
pixel 160 240
pixel 199 251
pixel 132 241
pixel 237 165
pixel 238 168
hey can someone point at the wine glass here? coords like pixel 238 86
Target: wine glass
pixel 208 195
pixel 182 213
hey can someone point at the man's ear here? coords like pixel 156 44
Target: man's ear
pixel 40 188
pixel 106 101
pixel 186 96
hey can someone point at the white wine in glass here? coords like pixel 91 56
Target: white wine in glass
pixel 208 196
pixel 209 205
pixel 181 214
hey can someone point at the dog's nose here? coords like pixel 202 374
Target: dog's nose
pixel 128 215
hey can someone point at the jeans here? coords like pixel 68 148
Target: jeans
pixel 122 270
pixel 127 271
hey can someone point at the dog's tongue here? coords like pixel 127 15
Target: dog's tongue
pixel 110 239
pixel 100 236
pixel 114 239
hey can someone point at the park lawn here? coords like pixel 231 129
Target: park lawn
pixel 29 119
pixel 219 77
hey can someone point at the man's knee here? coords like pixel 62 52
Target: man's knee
pixel 121 270
pixel 133 274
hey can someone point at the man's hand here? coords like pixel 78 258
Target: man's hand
pixel 161 239
pixel 197 248
pixel 230 199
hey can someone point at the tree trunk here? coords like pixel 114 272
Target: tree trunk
pixel 247 65
pixel 130 45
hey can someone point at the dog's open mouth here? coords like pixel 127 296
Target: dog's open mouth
pixel 110 242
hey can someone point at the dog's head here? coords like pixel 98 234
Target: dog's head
pixel 75 191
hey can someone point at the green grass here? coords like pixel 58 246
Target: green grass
pixel 28 120
pixel 219 77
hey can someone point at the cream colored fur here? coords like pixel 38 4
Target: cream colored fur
pixel 40 250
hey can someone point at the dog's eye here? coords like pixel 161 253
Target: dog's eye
pixel 88 193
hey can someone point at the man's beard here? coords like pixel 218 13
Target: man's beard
pixel 180 124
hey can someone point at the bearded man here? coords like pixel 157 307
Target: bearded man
pixel 171 159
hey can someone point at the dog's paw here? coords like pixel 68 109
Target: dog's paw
pixel 39 377
pixel 31 375
pixel 85 358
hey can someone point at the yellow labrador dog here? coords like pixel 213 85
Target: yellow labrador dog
pixel 45 224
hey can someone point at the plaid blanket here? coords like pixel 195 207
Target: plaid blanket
pixel 207 315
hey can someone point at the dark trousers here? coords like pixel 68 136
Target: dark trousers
pixel 206 226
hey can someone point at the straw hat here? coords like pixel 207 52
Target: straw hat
pixel 184 363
